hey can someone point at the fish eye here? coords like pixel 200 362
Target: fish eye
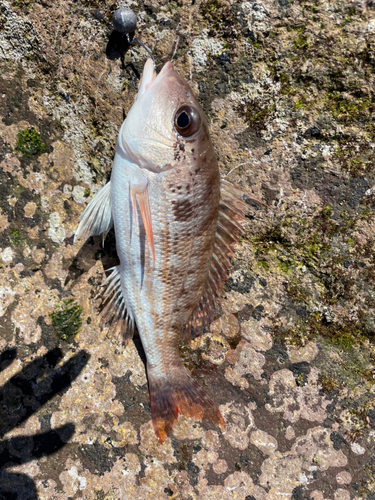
pixel 187 120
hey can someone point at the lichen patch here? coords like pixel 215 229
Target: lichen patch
pixel 239 421
pixel 266 443
pixel 248 361
pixel 305 353
pixel 297 401
pixel 256 334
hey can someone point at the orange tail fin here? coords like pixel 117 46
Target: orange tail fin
pixel 171 397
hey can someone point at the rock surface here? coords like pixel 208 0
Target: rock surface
pixel 288 89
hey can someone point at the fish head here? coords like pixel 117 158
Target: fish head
pixel 164 120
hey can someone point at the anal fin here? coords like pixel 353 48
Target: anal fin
pixel 114 309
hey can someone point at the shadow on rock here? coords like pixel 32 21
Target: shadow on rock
pixel 117 47
pixel 22 396
pixel 91 251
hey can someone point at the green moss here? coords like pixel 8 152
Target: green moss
pixel 358 422
pixel 210 6
pixel 314 262
pixel 327 212
pixel 348 109
pixel 335 85
pixel 95 166
pixel 300 42
pixel 348 370
pixel 29 143
pixel 97 127
pixel 172 6
pixel 22 4
pixel 344 336
pixel 369 479
pixel 301 379
pixel 286 87
pixel 296 291
pixel 356 155
pixel 329 382
pixel 298 104
pixel 303 101
pixel 258 116
pixel 3 22
pixel 67 319
pixel 284 264
pixel 14 237
pixel 220 17
pixel 263 264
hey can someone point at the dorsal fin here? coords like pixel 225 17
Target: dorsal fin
pixel 114 310
pixel 230 226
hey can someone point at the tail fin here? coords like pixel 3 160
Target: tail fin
pixel 180 395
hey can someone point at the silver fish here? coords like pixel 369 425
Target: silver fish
pixel 175 223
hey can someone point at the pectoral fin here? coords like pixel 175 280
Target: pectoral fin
pixel 144 207
pixel 97 217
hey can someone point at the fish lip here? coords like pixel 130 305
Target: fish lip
pixel 149 76
pixel 168 66
pixel 165 69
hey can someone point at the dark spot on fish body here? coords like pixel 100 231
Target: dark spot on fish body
pixel 178 148
pixel 178 157
pixel 182 209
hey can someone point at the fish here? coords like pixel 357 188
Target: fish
pixel 176 222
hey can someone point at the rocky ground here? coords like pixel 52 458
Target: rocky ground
pixel 288 89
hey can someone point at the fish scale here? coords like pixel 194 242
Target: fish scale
pixel 175 224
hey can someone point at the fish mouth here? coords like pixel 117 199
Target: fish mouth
pixel 149 75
